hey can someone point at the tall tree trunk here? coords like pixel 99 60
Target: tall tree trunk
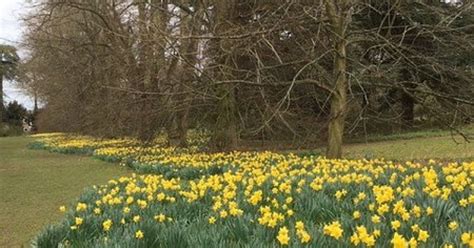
pixel 2 107
pixel 338 104
pixel 153 20
pixel 35 108
pixel 339 16
pixel 190 26
pixel 407 101
pixel 182 117
pixel 143 105
pixel 225 134
pixel 408 114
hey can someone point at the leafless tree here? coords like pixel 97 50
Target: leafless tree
pixel 247 70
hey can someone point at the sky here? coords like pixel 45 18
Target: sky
pixel 11 33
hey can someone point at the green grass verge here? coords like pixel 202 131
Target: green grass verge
pixel 405 135
pixel 424 145
pixel 438 148
pixel 34 183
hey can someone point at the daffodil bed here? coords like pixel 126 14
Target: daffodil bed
pixel 154 157
pixel 269 200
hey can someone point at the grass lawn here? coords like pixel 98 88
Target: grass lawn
pixel 33 184
pixel 429 144
pixel 443 147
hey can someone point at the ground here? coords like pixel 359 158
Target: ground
pixel 33 184
pixel 443 148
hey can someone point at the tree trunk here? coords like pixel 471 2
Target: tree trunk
pixel 183 127
pixel 407 101
pixel 225 134
pixel 339 16
pixel 153 20
pixel 188 50
pixel 408 115
pixel 2 107
pixel 338 104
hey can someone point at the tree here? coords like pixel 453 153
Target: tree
pixel 402 48
pixel 15 113
pixel 298 72
pixel 225 134
pixel 340 16
pixel 8 69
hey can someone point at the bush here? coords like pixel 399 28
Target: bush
pixel 9 130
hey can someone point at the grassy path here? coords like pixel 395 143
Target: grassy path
pixel 34 183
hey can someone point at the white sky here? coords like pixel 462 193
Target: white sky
pixel 10 33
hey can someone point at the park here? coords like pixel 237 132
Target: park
pixel 163 123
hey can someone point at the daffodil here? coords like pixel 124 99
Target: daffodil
pixel 334 230
pixel 160 218
pixel 78 221
pixel 212 220
pixel 466 238
pixel 283 236
pixel 81 207
pixel 453 225
pixel 139 234
pixel 356 215
pixel 399 241
pixel 106 225
pixel 423 235
pixel 136 218
pixel 395 224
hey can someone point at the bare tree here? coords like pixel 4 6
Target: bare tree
pixel 295 72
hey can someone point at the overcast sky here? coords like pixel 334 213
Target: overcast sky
pixel 10 33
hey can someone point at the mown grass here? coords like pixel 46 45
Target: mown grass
pixel 34 183
pixel 421 145
pixel 440 148
pixel 467 131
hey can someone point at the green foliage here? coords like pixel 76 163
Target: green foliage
pixel 9 130
pixel 8 61
pixel 15 113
